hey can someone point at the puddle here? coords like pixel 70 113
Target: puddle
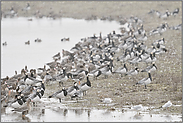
pixel 57 112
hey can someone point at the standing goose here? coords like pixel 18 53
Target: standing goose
pixel 62 77
pixel 175 12
pixel 95 73
pixel 17 103
pixel 145 81
pixel 121 70
pixel 73 89
pixel 133 72
pixel 106 71
pixel 85 86
pixel 36 96
pixel 150 68
pixel 59 94
pixel 24 109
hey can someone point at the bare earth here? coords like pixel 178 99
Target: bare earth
pixel 167 82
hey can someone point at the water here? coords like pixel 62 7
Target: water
pixel 17 31
pixel 52 111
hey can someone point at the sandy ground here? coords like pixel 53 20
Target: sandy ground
pixel 167 80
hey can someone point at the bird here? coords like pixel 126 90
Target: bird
pixel 36 96
pixel 59 94
pixel 17 103
pixel 150 68
pixel 28 42
pixel 57 56
pixel 161 50
pixel 62 77
pixel 145 81
pixel 95 73
pixel 175 12
pixel 107 70
pixel 121 70
pixel 85 86
pixel 106 100
pixel 24 109
pixel 65 39
pixel 30 80
pixel 133 72
pixel 72 90
pixel 38 40
pixel 166 105
pixel 137 107
pixel 5 43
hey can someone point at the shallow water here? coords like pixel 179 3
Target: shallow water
pixel 17 31
pixel 52 111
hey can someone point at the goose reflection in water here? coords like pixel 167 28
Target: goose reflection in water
pixel 137 116
pixel 78 111
pixel 61 111
pixel 27 119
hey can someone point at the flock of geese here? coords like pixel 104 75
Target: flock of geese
pixel 166 14
pixel 91 57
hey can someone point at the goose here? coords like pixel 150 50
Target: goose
pixel 165 15
pixel 17 103
pixel 123 45
pixel 57 56
pixel 62 77
pixel 85 86
pixel 30 80
pixel 151 58
pixel 121 70
pixel 38 40
pixel 65 39
pixel 145 81
pixel 41 88
pixel 137 107
pixel 79 76
pixel 24 109
pixel 153 32
pixel 73 89
pixel 159 46
pixel 133 72
pixel 144 38
pixel 151 49
pixel 95 73
pixel 136 60
pixel 161 50
pixel 27 7
pixel 175 12
pixel 178 27
pixel 5 43
pixel 150 68
pixel 160 41
pixel 47 77
pixel 124 58
pixel 28 42
pixel 106 71
pixel 36 96
pixel 59 94
pixel 151 12
pixel 167 105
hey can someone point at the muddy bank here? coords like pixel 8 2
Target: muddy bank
pixel 110 10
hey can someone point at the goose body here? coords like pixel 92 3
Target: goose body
pixel 145 81
pixel 59 94
pixel 150 68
